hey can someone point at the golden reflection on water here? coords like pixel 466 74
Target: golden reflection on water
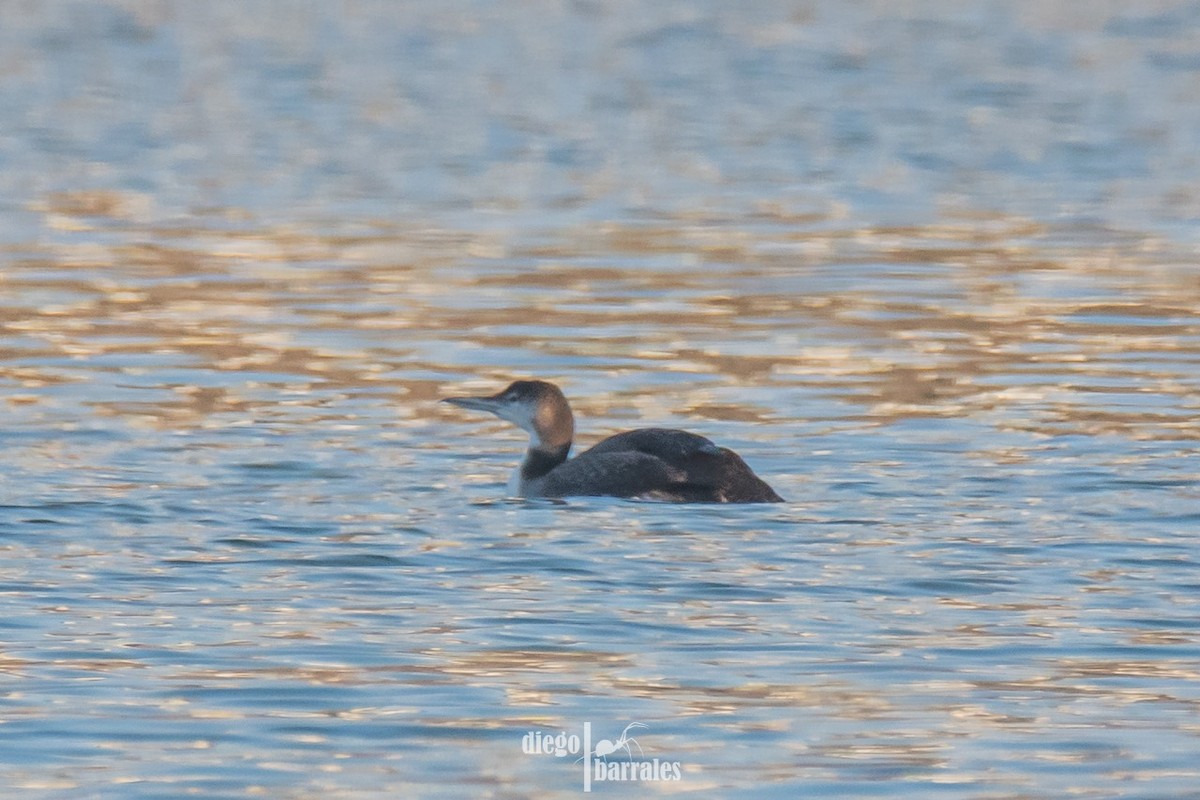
pixel 969 318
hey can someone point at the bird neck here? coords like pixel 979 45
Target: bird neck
pixel 540 459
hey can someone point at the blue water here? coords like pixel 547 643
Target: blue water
pixel 932 273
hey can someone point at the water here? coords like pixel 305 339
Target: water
pixel 932 272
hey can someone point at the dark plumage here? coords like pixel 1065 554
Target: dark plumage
pixel 662 463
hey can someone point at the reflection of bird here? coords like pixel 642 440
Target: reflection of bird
pixel 654 463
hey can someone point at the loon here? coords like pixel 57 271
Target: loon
pixel 652 463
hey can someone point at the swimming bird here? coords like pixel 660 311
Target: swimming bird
pixel 657 463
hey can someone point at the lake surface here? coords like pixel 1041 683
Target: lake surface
pixel 932 272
